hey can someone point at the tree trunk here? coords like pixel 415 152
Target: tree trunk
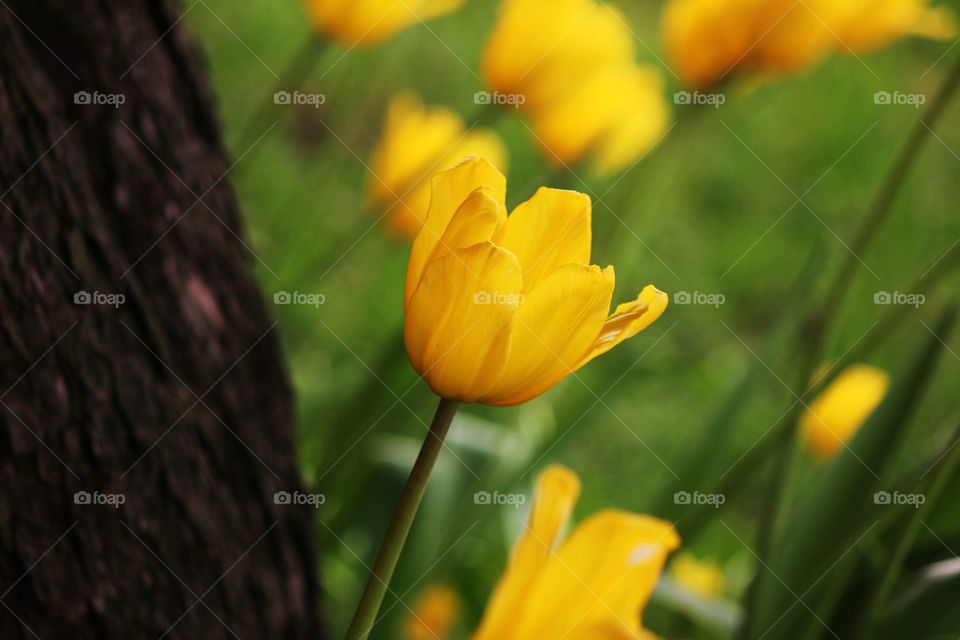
pixel 145 415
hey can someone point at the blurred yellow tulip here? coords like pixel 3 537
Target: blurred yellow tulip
pixel 592 586
pixel 500 309
pixel 542 49
pixel 614 116
pixel 701 577
pixel 366 22
pixel 571 63
pixel 834 417
pixel 433 614
pixel 417 142
pixel 707 40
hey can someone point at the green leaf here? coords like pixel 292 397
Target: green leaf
pixel 829 521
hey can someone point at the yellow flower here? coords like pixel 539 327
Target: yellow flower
pixel 591 586
pixel 500 309
pixel 365 22
pixel 433 615
pixel 417 142
pixel 834 417
pixel 706 40
pixel 698 576
pixel 572 61
pixel 615 116
pixel 543 48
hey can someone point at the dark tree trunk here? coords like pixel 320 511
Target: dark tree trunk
pixel 174 401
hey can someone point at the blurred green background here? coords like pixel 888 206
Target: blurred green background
pixel 737 201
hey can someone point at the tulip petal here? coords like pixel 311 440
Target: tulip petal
pixel 557 491
pixel 556 325
pixel 602 575
pixel 448 191
pixel 475 221
pixel 628 320
pixel 458 321
pixel 547 231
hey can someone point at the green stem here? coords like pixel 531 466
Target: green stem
pixel 818 322
pixel 931 489
pixel 882 203
pixel 377 584
pixel 296 71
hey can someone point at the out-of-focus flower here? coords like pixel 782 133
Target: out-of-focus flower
pixel 417 142
pixel 704 578
pixel 592 586
pixel 500 309
pixel 834 417
pixel 433 614
pixel 572 62
pixel 707 40
pixel 614 116
pixel 366 22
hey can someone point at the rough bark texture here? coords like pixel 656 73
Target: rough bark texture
pixel 177 398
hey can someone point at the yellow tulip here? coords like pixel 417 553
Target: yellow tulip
pixel 592 586
pixel 572 61
pixel 366 22
pixel 500 309
pixel 707 40
pixel 834 417
pixel 867 24
pixel 701 577
pixel 433 615
pixel 614 116
pixel 543 48
pixel 418 141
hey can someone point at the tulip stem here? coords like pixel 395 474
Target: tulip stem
pixel 816 328
pixel 296 71
pixel 378 583
pixel 882 204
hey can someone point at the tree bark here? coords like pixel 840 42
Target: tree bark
pixel 171 399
